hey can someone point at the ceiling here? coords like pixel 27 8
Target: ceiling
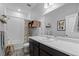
pixel 15 6
pixel 25 9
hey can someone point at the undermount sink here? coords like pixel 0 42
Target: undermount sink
pixel 46 38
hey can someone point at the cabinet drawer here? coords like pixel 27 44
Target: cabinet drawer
pixel 36 51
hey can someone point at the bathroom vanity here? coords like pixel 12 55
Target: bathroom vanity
pixel 53 46
pixel 39 49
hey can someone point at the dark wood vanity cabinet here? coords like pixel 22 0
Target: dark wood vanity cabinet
pixel 38 49
pixel 31 50
pixel 34 48
pixel 51 51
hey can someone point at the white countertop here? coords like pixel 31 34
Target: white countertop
pixel 67 45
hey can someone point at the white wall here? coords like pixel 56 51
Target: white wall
pixel 1 26
pixel 59 14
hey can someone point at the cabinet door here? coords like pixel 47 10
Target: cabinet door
pixel 42 53
pixel 36 48
pixel 36 51
pixel 31 47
